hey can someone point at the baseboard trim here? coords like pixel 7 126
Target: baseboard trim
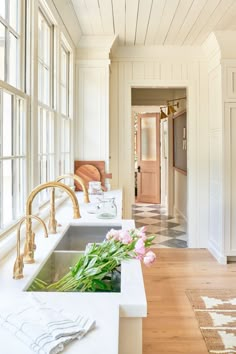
pixel 216 253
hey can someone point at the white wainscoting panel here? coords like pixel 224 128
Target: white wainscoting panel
pixel 215 191
pixel 231 82
pixel 230 178
pixel 92 133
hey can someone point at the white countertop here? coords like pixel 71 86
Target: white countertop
pixel 106 308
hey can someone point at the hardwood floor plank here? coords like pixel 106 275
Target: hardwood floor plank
pixel 171 326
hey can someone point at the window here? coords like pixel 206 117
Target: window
pixel 10 41
pixel 46 114
pixel 12 157
pixel 45 56
pixel 23 167
pixel 13 104
pixel 66 107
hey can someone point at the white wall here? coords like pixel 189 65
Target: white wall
pixel 180 194
pixel 162 67
pixel 92 124
pixel 221 50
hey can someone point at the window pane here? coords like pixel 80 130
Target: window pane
pixel 63 66
pixel 46 43
pixel 44 133
pixel 50 134
pixel 148 138
pixel 14 14
pixel 40 82
pixel 67 135
pixel 40 36
pixel 2 8
pixel 7 215
pixel 63 100
pixel 46 86
pixel 13 61
pixel 19 186
pixel 20 129
pixel 7 125
pixel 2 51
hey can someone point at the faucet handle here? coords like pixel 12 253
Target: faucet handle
pixel 18 267
pixel 29 252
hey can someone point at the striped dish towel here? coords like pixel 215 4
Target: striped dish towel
pixel 45 330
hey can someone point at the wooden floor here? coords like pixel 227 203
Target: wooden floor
pixel 171 327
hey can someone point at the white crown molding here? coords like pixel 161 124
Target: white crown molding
pixel 180 53
pixel 220 45
pixel 95 47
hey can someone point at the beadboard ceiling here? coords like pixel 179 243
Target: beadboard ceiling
pixel 155 22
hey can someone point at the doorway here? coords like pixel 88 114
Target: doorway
pixel 160 211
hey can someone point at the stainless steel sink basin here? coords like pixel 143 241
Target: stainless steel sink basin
pixel 57 265
pixel 69 250
pixel 77 237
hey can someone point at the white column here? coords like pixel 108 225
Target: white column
pixel 92 121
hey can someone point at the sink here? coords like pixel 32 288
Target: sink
pixel 56 267
pixel 68 251
pixel 78 236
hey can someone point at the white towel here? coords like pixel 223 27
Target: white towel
pixel 45 330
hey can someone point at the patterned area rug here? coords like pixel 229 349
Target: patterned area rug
pixel 215 311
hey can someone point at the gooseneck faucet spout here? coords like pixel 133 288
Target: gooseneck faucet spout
pixel 29 256
pixel 19 264
pixel 79 180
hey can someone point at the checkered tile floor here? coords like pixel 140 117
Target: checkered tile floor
pixel 170 231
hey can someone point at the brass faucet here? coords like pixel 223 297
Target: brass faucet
pixel 52 225
pixel 80 181
pixel 29 246
pixel 19 264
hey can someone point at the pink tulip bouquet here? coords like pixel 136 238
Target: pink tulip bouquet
pixel 100 263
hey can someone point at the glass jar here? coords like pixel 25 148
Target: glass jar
pixel 95 187
pixel 106 208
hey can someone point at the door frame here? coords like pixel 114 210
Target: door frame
pixel 193 207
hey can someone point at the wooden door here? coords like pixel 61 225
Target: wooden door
pixel 148 153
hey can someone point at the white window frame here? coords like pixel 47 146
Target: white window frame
pixel 17 95
pixel 21 42
pixel 68 117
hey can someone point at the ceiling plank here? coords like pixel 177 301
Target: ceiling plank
pixel 119 19
pixel 83 17
pixel 94 16
pixel 154 21
pixel 178 19
pixel 228 20
pixel 214 20
pixel 166 20
pixel 106 12
pixel 189 21
pixel 203 18
pixel 131 16
pixel 145 8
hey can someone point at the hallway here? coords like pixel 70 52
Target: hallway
pixel 170 231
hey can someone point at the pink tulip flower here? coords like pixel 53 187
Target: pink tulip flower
pixel 113 234
pixel 149 258
pixel 125 237
pixel 140 247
